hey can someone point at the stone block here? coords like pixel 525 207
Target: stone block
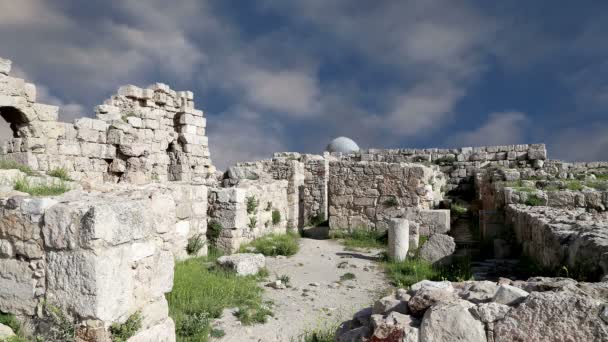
pixel 18 287
pixel 5 66
pixel 434 221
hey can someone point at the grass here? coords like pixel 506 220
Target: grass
pixel 200 294
pixel 534 201
pixel 285 279
pixel 347 276
pixel 361 238
pixel 276 217
pixel 195 244
pixel 214 230
pixel 324 334
pixel 410 271
pixel 60 173
pixel 122 332
pixel 7 164
pixel 275 244
pixel 252 204
pixel 574 185
pixel 253 221
pixel 458 210
pixel 10 321
pixel 55 189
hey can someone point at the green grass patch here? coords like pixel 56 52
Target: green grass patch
pixel 55 189
pixel 574 185
pixel 410 271
pixel 534 201
pixel 60 173
pixel 361 238
pixel 276 217
pixel 458 210
pixel 201 292
pixel 195 244
pixel 275 244
pixel 325 334
pixel 121 332
pixel 252 205
pixel 10 321
pixel 600 185
pixel 347 276
pixel 7 164
pixel 214 230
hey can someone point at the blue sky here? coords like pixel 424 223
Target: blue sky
pixel 276 75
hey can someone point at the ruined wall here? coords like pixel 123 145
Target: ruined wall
pixel 364 194
pixel 461 164
pixel 137 136
pixel 314 196
pixel 98 256
pixel 556 237
pixel 240 224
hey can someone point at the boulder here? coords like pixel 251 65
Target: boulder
pixel 389 304
pixel 243 263
pixel 509 295
pixel 479 291
pixel 397 327
pixel 451 321
pixel 437 248
pixel 354 335
pixel 490 312
pixel 5 331
pixel 553 316
pixel 427 297
pixel 441 285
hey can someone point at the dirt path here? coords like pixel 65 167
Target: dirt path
pixel 317 297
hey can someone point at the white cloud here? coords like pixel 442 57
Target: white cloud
pixel 586 143
pixel 501 128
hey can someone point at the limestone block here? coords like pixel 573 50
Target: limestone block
pixel 135 122
pixel 435 221
pixel 5 332
pixel 30 92
pixel 163 332
pixel 189 119
pixel 5 66
pixel 194 139
pixel 398 239
pixel 133 150
pixel 243 263
pixel 91 284
pixel 18 288
pixel 438 248
pixel 69 148
pixel 451 321
pixel 130 91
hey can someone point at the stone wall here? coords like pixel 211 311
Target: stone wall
pixel 98 256
pixel 137 136
pixel 460 164
pixel 315 197
pixel 365 194
pixel 556 237
pixel 240 221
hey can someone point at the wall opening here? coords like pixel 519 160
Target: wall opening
pixel 12 118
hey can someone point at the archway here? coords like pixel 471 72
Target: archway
pixel 12 118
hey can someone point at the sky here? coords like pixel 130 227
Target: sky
pixel 279 75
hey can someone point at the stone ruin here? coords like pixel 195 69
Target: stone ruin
pixel 143 184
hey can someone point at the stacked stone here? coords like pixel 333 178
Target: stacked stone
pixel 99 257
pixel 365 194
pixel 315 192
pixel 229 208
pixel 139 135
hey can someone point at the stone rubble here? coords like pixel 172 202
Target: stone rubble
pixel 243 264
pixel 558 309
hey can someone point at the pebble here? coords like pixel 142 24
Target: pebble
pixel 314 284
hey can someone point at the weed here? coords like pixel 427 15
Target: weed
pixel 458 210
pixel 347 276
pixel 7 164
pixel 445 161
pixel 195 244
pixel 60 173
pixel 56 189
pixel 201 293
pixel 217 333
pixel 362 238
pixel 285 279
pixel 391 202
pixel 574 185
pixel 61 328
pixel 122 332
pixel 10 321
pixel 534 201
pixel 214 230
pixel 276 217
pixel 250 314
pixel 275 244
pixel 253 221
pixel 600 185
pixel 325 334
pixel 252 204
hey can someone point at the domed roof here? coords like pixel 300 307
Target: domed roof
pixel 342 145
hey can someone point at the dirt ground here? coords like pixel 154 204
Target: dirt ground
pixel 317 297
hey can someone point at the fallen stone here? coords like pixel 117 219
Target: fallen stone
pixel 427 297
pixel 451 321
pixel 5 331
pixel 490 312
pixel 442 285
pixel 243 263
pixel 437 248
pixel 553 316
pixel 479 292
pixel 509 295
pixel 397 327
pixel 354 335
pixel 390 304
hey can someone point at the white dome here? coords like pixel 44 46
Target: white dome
pixel 342 145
